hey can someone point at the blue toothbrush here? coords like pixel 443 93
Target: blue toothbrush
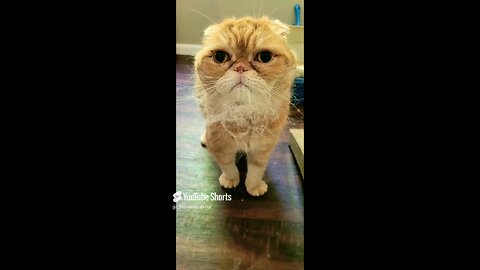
pixel 297 14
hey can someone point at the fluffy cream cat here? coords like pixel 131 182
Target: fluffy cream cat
pixel 243 80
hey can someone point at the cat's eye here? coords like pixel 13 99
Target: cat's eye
pixel 220 57
pixel 264 57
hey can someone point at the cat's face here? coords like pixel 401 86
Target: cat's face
pixel 246 61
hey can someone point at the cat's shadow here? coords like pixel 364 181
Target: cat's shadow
pixel 241 162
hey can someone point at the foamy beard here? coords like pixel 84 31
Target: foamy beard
pixel 242 98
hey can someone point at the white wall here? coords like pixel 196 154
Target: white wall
pixel 190 23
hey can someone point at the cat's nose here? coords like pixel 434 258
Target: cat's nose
pixel 240 67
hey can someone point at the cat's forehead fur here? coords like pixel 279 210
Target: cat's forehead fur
pixel 246 34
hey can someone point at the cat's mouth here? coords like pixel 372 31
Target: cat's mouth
pixel 240 86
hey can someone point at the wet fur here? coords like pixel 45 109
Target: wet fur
pixel 248 117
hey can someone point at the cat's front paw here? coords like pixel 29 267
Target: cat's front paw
pixel 227 182
pixel 256 188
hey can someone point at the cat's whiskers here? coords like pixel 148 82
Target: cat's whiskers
pixel 269 105
pixel 185 88
pixel 249 97
pixel 238 157
pixel 207 89
pixel 261 6
pixel 215 94
pixel 185 93
pixel 202 74
pixel 253 6
pixel 266 92
pixel 271 13
pixel 198 12
pixel 289 100
pixel 183 101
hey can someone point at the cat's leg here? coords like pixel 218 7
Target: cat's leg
pixel 224 155
pixel 257 162
pixel 230 176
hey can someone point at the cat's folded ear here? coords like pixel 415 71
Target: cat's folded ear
pixel 209 30
pixel 280 28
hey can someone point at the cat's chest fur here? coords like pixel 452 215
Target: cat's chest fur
pixel 252 136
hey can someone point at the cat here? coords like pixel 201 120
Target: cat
pixel 243 80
